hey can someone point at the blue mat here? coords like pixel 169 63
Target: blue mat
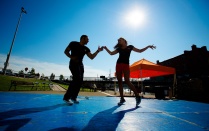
pixel 47 112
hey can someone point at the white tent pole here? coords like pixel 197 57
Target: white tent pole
pixel 115 87
pixel 141 82
pixel 171 90
pixel 174 84
pixel 139 77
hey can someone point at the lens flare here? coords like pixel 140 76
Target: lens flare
pixel 135 17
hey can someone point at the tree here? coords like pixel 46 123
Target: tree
pixel 61 77
pixel 32 71
pixel 21 72
pixel 52 76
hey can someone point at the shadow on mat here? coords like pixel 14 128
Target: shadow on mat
pixel 104 121
pixel 107 120
pixel 15 124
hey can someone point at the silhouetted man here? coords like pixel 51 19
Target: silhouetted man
pixel 76 51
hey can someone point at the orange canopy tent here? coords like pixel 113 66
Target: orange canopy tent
pixel 144 68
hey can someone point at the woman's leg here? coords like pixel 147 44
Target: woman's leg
pixel 120 83
pixel 131 86
pixel 127 80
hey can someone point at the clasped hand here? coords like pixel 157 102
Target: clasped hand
pixel 152 47
pixel 100 48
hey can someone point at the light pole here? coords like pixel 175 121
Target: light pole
pixel 8 55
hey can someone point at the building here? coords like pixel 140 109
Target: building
pixel 192 71
pixel 191 64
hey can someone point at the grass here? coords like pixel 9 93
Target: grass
pixel 5 82
pixel 82 88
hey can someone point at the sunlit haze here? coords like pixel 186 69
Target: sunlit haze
pixel 135 17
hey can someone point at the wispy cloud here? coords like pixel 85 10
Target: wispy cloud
pixel 17 63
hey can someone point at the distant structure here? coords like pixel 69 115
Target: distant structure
pixel 192 71
pixel 191 64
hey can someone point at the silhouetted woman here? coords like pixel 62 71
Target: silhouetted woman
pixel 122 66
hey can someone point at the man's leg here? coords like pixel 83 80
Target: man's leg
pixel 79 81
pixel 68 93
pixel 71 88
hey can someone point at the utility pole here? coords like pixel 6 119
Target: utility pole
pixel 8 55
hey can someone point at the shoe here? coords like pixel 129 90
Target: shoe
pixel 68 102
pixel 138 100
pixel 75 101
pixel 121 101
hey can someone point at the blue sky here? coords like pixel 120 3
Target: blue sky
pixel 49 25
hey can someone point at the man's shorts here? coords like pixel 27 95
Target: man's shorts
pixel 120 67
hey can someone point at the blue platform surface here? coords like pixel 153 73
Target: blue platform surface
pixel 48 112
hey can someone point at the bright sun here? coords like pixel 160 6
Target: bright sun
pixel 135 17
